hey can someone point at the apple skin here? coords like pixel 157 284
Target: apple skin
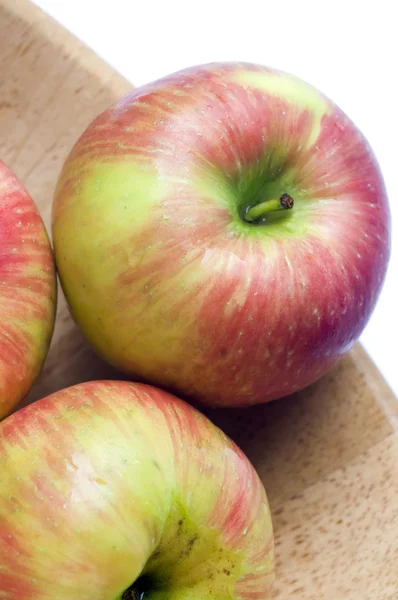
pixel 27 291
pixel 106 481
pixel 162 272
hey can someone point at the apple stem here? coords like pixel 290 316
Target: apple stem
pixel 253 213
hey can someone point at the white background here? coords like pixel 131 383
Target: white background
pixel 347 49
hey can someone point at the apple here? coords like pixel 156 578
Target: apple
pixel 114 490
pixel 27 291
pixel 223 232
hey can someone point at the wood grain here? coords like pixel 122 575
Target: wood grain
pixel 328 456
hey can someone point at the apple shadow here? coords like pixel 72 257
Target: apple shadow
pixel 299 440
pixel 70 361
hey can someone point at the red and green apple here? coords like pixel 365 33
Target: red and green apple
pixel 27 291
pixel 115 490
pixel 223 232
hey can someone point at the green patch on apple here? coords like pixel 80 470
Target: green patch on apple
pixel 263 182
pixel 191 562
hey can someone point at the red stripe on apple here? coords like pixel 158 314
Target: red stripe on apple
pixel 27 291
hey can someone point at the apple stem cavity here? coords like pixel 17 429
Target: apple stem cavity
pixel 140 589
pixel 258 211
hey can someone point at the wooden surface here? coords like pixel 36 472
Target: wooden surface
pixel 328 456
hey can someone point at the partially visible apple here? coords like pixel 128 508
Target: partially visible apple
pixel 176 249
pixel 27 291
pixel 114 490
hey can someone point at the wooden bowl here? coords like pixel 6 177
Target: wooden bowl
pixel 328 456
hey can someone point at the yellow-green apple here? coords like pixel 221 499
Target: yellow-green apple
pixel 27 291
pixel 115 490
pixel 222 232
